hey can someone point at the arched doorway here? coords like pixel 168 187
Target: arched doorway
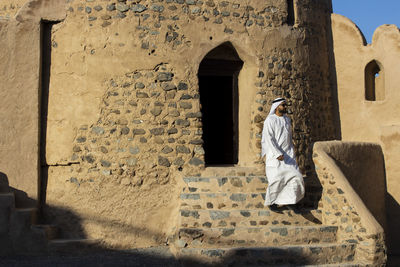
pixel 218 82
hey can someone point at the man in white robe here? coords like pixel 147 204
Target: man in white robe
pixel 285 182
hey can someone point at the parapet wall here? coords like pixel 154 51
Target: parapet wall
pixel 363 166
pixel 345 195
pixel 366 120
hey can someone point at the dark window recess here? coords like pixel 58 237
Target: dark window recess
pixel 218 82
pixel 374 82
pixel 290 18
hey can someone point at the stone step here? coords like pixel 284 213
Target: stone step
pixel 246 218
pixel 7 200
pixel 222 201
pixel 65 246
pixel 343 264
pixel 49 231
pixel 7 205
pixel 255 236
pixel 225 184
pixel 315 254
pixel 23 218
pixel 211 171
pixel 24 238
pixel 235 184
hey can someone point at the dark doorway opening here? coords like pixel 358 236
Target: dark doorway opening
pixel 218 82
pixel 290 17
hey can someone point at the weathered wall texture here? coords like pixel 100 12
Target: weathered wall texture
pixel 371 121
pixel 366 175
pixel 9 8
pixel 20 42
pixel 346 197
pixel 19 96
pixel 124 117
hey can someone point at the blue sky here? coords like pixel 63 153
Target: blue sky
pixel 369 14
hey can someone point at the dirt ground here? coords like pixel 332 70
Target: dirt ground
pixel 157 257
pixel 147 257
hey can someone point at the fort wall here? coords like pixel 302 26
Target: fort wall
pixel 365 119
pixel 123 115
pixel 346 198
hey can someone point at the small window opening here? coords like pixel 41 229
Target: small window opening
pixel 374 82
pixel 290 10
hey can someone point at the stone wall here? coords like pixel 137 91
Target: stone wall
pixel 124 117
pixel 343 197
pixel 366 175
pixel 371 121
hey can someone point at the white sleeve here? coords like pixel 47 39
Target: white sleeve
pixel 268 140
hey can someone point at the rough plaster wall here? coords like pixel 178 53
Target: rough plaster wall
pixel 366 176
pixel 20 92
pixel 371 121
pixel 390 140
pixel 19 97
pixel 347 189
pixel 9 8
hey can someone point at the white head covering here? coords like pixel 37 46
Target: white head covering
pixel 275 104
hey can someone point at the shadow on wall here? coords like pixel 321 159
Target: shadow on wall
pixel 28 249
pixel 98 254
pixel 313 190
pixel 22 228
pixel 363 166
pixel 21 198
pixel 333 83
pixel 3 183
pixel 393 222
pixel 312 196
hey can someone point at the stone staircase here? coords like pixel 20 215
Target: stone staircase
pixel 223 222
pixel 22 233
